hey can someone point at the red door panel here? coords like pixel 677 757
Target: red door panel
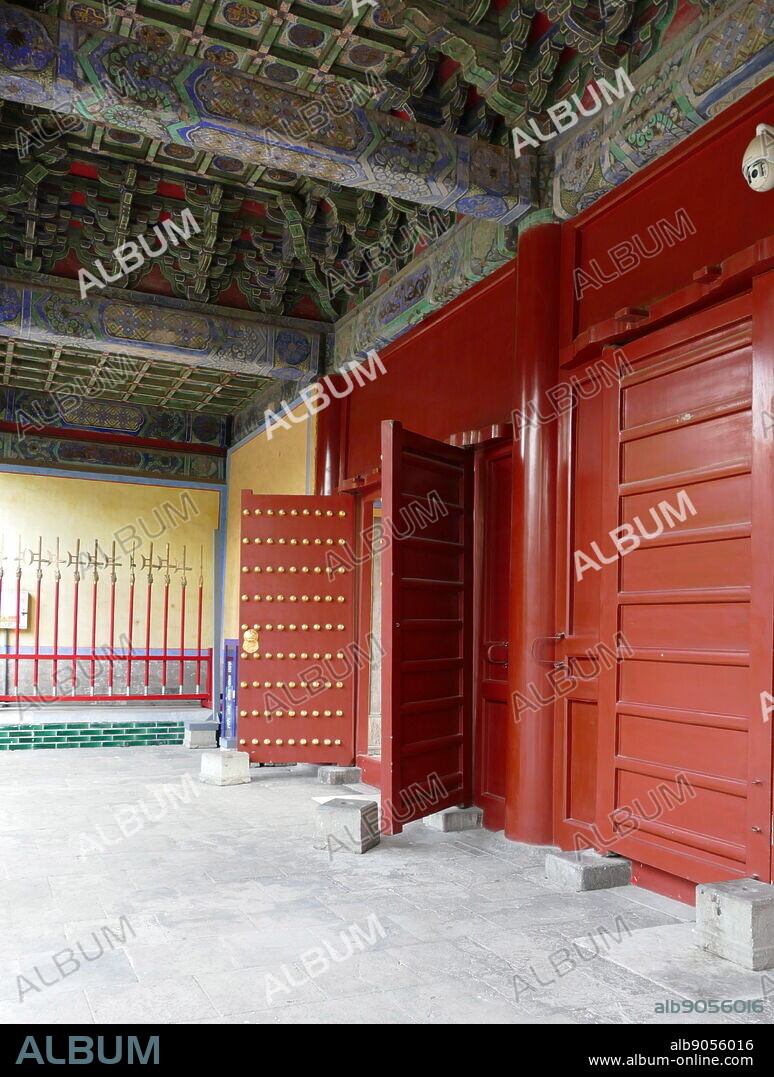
pixel 721 627
pixel 297 629
pixel 724 377
pixel 685 701
pixel 721 441
pixel 672 732
pixel 494 468
pixel 718 503
pixel 426 627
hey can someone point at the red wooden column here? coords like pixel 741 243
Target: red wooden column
pixel 328 441
pixel 529 763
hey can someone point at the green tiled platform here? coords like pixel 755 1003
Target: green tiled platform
pixel 90 735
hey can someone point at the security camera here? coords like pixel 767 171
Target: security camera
pixel 758 160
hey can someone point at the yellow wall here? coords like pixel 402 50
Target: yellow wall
pixel 276 465
pixel 71 508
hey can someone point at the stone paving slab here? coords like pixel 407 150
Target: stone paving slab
pixel 24 978
pixel 171 1001
pixel 50 1007
pixel 163 960
pixel 668 957
pixel 262 988
pixel 237 918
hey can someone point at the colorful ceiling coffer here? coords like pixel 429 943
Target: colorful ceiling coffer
pixel 183 100
pixel 68 411
pixel 719 60
pixel 43 310
pixel 94 456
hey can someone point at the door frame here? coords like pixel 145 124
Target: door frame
pixel 370 765
pixel 496 445
pixel 763 502
pixel 567 647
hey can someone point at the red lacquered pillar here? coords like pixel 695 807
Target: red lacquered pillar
pixel 529 762
pixel 328 440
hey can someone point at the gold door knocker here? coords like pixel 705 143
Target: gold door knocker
pixel 250 641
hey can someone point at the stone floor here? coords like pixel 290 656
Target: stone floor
pixel 123 903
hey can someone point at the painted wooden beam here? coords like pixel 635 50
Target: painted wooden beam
pixel 50 310
pixel 178 99
pixel 481 54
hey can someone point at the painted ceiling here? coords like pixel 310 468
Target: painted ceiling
pixel 65 373
pixel 287 247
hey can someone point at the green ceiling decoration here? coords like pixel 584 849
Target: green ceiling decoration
pixel 72 454
pixel 709 66
pixel 142 90
pixel 31 366
pixel 52 312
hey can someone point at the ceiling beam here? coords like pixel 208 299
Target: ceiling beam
pixel 481 54
pixel 153 328
pixel 179 99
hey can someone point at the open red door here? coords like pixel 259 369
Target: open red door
pixel 298 655
pixel 427 511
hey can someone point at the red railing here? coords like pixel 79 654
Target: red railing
pixel 106 671
pixel 37 693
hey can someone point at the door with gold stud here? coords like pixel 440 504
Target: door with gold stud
pixel 298 646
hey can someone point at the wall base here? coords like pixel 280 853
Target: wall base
pixel 14 738
pixel 661 882
pixel 98 727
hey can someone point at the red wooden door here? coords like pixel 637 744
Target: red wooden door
pixel 683 776
pixel 426 626
pixel 493 551
pixel 578 609
pixel 298 655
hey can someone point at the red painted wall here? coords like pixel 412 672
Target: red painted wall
pixel 702 176
pixel 453 373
